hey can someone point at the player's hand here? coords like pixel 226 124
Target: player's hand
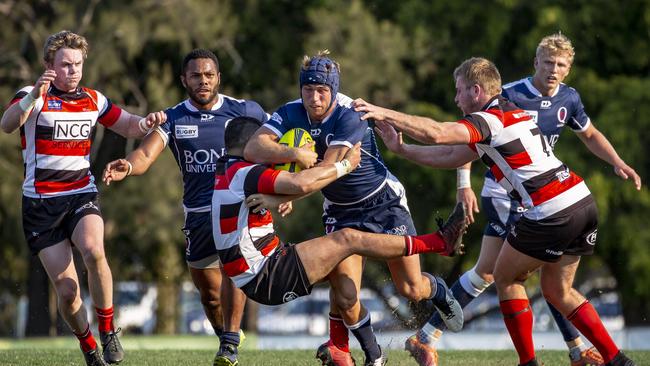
pixel 468 198
pixel 259 201
pixel 624 171
pixel 353 155
pixel 370 111
pixel 155 119
pixel 43 83
pixel 116 170
pixel 285 208
pixel 392 139
pixel 304 156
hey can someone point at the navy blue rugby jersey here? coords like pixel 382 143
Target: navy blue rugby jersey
pixel 195 137
pixel 343 127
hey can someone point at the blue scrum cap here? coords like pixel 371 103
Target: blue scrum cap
pixel 321 70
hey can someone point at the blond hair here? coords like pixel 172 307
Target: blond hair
pixel 556 44
pixel 64 39
pixel 481 71
pixel 306 60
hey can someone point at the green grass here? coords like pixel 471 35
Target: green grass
pixel 189 350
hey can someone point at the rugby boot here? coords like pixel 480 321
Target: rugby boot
pixel 532 362
pixel 113 351
pixel 381 361
pixel 453 229
pixel 588 357
pixel 423 354
pixel 449 309
pixel 227 356
pixel 330 355
pixel 93 358
pixel 620 360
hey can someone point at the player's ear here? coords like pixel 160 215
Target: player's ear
pixel 183 81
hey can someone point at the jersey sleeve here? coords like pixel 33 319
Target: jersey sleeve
pixel 481 127
pixel 21 94
pixel 164 130
pixel 109 113
pixel 260 179
pixel 254 110
pixel 578 121
pixel 279 123
pixel 349 129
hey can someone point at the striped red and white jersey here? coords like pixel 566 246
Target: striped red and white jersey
pixel 56 140
pixel 244 239
pixel 511 144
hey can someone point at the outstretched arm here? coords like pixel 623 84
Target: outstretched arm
pixel 133 126
pixel 598 144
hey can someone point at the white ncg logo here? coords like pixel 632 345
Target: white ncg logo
pixel 186 132
pixel 71 130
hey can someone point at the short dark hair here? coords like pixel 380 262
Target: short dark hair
pixel 199 53
pixel 239 130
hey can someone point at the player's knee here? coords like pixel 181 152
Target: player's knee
pixel 345 297
pixel 67 291
pixel 93 255
pixel 211 299
pixel 348 236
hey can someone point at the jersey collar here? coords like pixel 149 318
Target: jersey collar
pixel 190 107
pixel 529 84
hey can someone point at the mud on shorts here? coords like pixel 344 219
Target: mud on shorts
pixel 385 212
pixel 200 250
pixel 571 231
pixel 282 278
pixel 502 214
pixel 49 221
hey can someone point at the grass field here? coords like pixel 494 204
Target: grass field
pixel 187 350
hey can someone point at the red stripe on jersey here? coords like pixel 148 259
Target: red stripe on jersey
pixel 514 117
pixel 111 116
pixel 63 148
pixel 228 225
pixel 518 160
pixel 266 182
pixel 220 182
pixel 230 172
pixel 14 101
pixel 554 188
pixel 53 187
pixel 270 246
pixel 474 134
pixel 255 220
pixel 496 171
pixel 236 267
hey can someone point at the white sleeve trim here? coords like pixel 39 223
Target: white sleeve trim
pixel 275 130
pixel 345 143
pixel 162 135
pixel 583 129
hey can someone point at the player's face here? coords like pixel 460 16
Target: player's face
pixel 316 98
pixel 550 71
pixel 68 65
pixel 201 80
pixel 466 96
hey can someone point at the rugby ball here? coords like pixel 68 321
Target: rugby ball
pixel 295 137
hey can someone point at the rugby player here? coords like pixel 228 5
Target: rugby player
pixel 560 219
pixel 553 105
pixel 193 130
pixel 370 199
pixel 56 118
pixel 271 272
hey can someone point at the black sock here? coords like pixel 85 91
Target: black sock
pixel 230 338
pixel 366 337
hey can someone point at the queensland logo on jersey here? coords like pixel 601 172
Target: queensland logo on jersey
pixel 561 116
pixel 71 130
pixel 186 132
pixel 546 104
pixel 276 117
pixel 54 105
pixel 206 117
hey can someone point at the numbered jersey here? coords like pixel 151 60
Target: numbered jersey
pixel 343 127
pixel 195 137
pixel 512 146
pixel 550 113
pixel 56 140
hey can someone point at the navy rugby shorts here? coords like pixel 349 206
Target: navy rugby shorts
pixel 501 214
pixel 200 250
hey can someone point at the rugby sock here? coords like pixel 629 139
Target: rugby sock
pixel 427 243
pixel 230 338
pixel 104 319
pixel 586 319
pixel 518 317
pixel 86 339
pixel 569 332
pixel 339 333
pixel 363 333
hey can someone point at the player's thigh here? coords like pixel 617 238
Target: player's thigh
pixel 207 280
pixel 319 256
pixel 88 235
pixel 513 266
pixel 59 265
pixel 558 277
pixel 490 248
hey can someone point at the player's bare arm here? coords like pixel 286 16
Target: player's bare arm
pixel 133 126
pixel 422 129
pixel 16 115
pixel 137 162
pixel 264 148
pixel 464 193
pixel 598 144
